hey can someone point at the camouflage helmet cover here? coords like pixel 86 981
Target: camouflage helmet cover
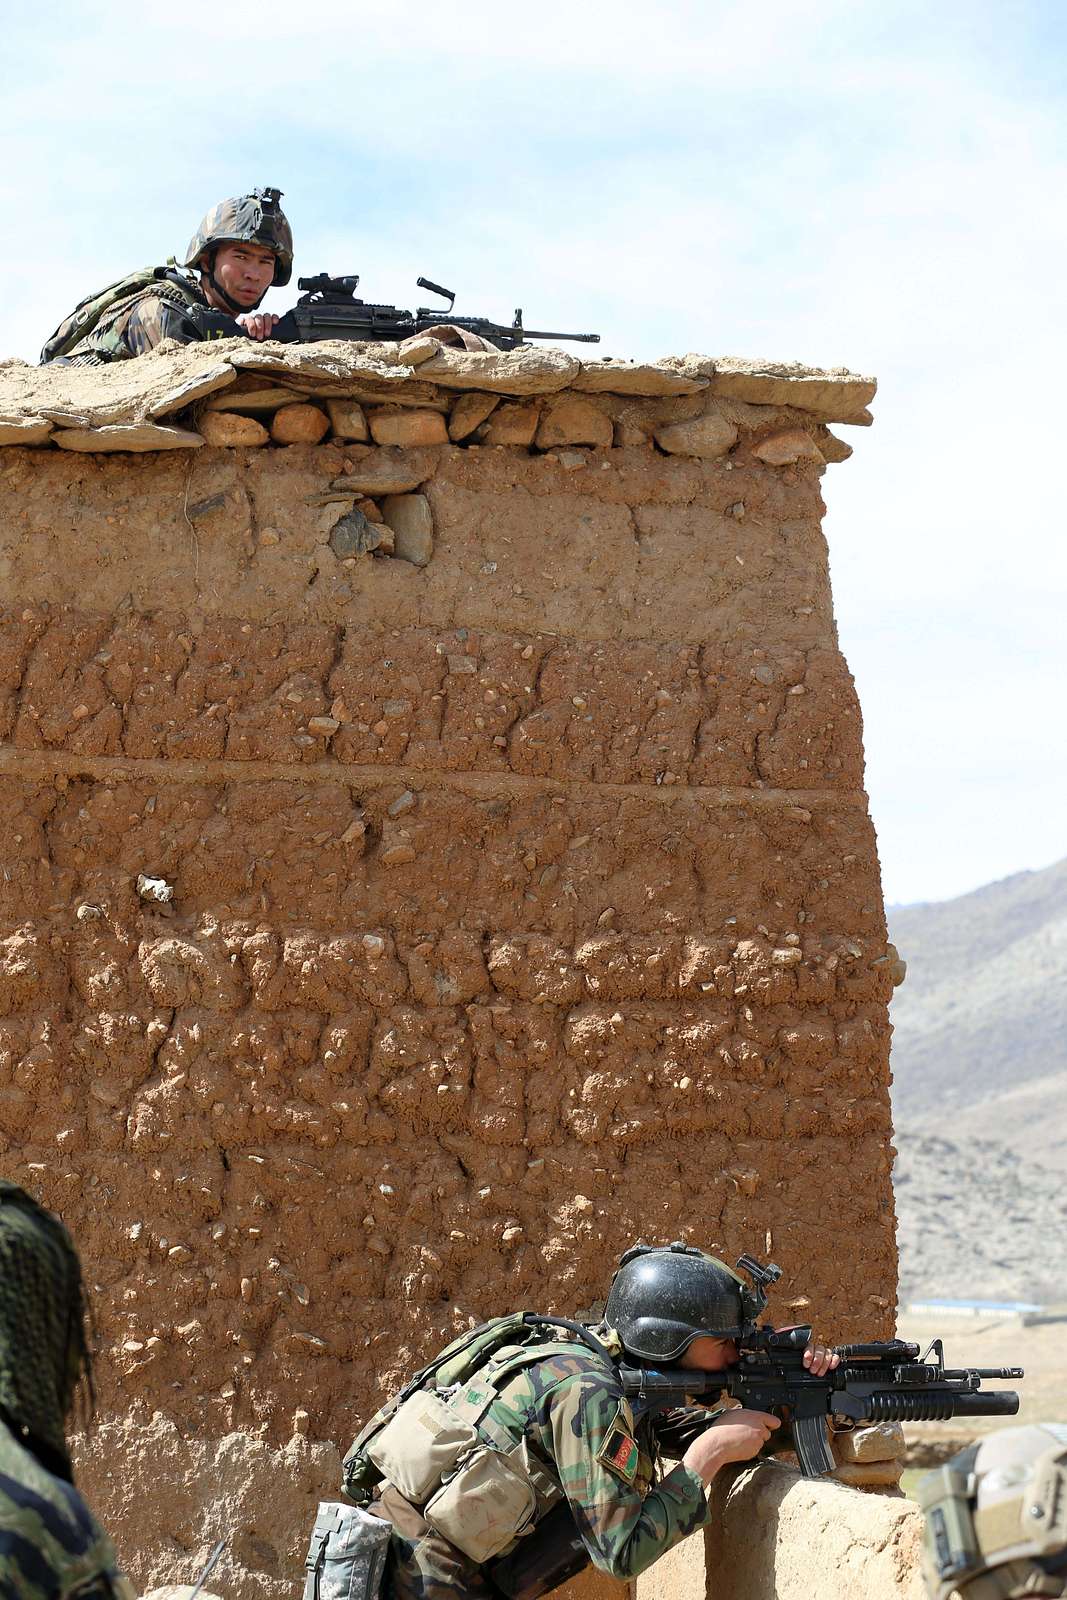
pixel 255 218
pixel 996 1517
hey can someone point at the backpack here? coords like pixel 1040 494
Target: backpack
pixel 453 1366
pixel 88 312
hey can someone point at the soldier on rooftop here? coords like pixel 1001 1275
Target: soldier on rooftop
pixel 243 247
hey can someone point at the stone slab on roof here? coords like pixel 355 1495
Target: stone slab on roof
pixel 834 395
pixel 37 403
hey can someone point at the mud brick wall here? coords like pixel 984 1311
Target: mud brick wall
pixel 523 902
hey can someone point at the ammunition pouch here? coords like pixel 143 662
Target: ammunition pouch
pixel 346 1556
pixel 421 1445
pixel 488 1504
pixel 476 1484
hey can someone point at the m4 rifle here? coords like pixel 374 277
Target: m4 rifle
pixel 879 1381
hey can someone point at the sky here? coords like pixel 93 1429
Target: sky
pixel 871 183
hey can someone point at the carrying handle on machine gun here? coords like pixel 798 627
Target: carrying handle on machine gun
pixel 435 288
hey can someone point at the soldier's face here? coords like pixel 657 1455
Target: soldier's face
pixel 245 271
pixel 709 1355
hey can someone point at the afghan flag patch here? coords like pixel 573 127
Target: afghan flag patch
pixel 620 1453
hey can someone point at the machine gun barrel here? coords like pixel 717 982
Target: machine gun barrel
pixel 330 309
pixel 575 338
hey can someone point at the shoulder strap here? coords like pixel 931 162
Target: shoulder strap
pixel 473 1399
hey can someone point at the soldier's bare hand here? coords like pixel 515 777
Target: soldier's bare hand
pixel 820 1359
pixel 737 1435
pixel 259 325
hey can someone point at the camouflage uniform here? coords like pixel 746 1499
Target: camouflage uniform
pixel 51 1547
pixel 168 307
pixel 578 1424
pixel 166 310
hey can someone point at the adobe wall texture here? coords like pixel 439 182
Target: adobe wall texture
pixel 523 898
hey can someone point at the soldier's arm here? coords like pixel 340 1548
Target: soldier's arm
pixel 154 319
pixel 624 1524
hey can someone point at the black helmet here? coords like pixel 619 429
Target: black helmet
pixel 664 1297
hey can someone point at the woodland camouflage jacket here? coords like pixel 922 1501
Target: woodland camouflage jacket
pixel 578 1423
pixel 576 1417
pixel 166 310
pixel 51 1546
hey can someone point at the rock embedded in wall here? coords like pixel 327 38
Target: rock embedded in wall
pixel 512 423
pixel 468 411
pixel 570 419
pixel 411 520
pixel 348 420
pixel 226 429
pixel 299 424
pixel 24 430
pixel 127 436
pixel 785 448
pixel 708 437
pixel 407 427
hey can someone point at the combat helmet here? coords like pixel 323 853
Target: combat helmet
pixel 996 1517
pixel 255 218
pixel 664 1297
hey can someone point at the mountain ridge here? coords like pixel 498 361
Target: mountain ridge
pixel 980 1026
pixel 979 1061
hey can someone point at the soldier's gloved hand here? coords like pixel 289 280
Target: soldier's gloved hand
pixel 736 1435
pixel 259 325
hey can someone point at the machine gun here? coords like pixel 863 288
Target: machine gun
pixel 330 309
pixel 881 1381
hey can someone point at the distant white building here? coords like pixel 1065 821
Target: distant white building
pixel 974 1308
